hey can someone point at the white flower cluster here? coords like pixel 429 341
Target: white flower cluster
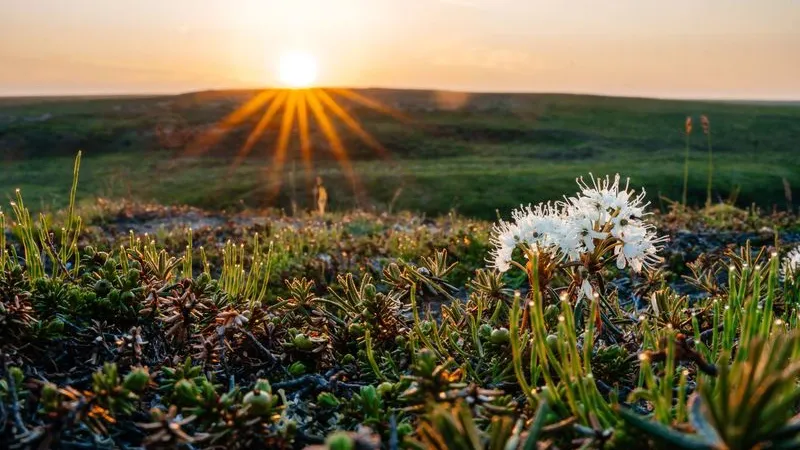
pixel 791 263
pixel 600 213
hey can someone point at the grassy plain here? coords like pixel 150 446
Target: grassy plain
pixel 474 153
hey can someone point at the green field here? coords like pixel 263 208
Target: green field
pixel 471 153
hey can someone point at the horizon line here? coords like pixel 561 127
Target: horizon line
pixel 175 93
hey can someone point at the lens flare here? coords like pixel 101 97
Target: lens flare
pixel 296 113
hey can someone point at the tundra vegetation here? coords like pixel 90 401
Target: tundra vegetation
pixel 595 321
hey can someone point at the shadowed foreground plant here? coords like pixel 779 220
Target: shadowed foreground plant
pixel 749 405
pixel 454 428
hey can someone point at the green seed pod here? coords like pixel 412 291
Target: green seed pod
pixel 485 331
pixel 385 388
pixel 394 271
pixel 90 251
pixel 340 440
pixel 297 368
pixel 327 400
pixel 348 359
pixel 551 312
pixel 113 296
pixel 49 393
pixel 259 402
pixel 18 375
pixel 370 291
pixel 302 342
pixel 499 336
pixel 552 342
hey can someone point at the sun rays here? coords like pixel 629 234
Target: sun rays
pixel 287 116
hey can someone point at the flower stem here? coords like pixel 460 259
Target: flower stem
pixel 710 169
pixel 686 172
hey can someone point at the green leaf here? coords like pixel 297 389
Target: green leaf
pixel 697 417
pixel 663 433
pixel 536 425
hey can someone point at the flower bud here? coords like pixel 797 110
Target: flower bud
pixel 302 342
pixel 327 400
pixel 552 342
pixel 499 336
pixel 297 368
pixel 385 388
pixel 340 440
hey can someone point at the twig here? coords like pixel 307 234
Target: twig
pixel 394 440
pixel 304 381
pixel 12 389
pixel 263 349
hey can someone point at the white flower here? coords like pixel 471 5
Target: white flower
pixel 505 238
pixel 586 289
pixel 638 248
pixel 573 227
pixel 791 263
pixel 585 229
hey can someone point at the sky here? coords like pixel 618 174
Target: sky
pixel 737 49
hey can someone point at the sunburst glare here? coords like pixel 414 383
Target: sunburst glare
pixel 302 108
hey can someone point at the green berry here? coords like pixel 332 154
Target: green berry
pixel 302 342
pixel 259 402
pixel 499 336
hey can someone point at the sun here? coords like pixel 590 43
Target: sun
pixel 297 69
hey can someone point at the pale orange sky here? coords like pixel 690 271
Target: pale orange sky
pixel 679 48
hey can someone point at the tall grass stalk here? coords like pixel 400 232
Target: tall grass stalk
pixel 26 231
pixel 3 251
pixel 517 346
pixel 72 230
pixel 687 133
pixel 243 284
pixel 188 257
pixel 707 131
